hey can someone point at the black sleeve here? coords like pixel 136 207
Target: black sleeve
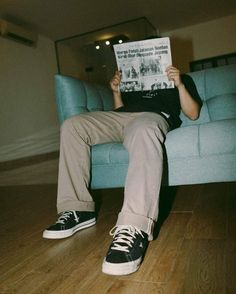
pixel 120 109
pixel 191 87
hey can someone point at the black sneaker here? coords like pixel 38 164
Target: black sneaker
pixel 68 223
pixel 126 251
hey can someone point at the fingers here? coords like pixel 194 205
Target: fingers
pixel 117 77
pixel 115 81
pixel 173 75
pixel 171 71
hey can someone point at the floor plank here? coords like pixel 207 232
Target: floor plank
pixel 161 255
pixel 209 220
pixel 200 268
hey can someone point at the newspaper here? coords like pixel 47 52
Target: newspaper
pixel 143 64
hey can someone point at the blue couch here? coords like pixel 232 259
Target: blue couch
pixel 200 151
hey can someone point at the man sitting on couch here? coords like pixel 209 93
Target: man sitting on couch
pixel 141 121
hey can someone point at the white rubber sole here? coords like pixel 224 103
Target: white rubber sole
pixel 47 234
pixel 119 269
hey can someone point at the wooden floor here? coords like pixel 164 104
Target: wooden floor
pixel 194 250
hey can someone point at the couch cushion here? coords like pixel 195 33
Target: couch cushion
pixel 210 139
pixel 222 106
pixel 220 80
pixel 183 142
pixel 75 97
pixel 109 153
pixel 203 118
pixel 218 137
pixel 180 143
pixel 199 80
pixel 98 97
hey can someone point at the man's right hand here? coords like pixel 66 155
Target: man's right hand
pixel 115 82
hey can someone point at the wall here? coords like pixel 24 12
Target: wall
pixel 201 41
pixel 28 118
pixel 74 61
pixel 79 58
pixel 68 60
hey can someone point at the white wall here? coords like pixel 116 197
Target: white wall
pixel 203 40
pixel 28 117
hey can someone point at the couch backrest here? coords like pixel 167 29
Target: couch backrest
pixel 75 97
pixel 217 89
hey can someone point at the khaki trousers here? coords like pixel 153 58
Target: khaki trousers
pixel 142 134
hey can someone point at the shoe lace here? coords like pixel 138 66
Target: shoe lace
pixel 66 215
pixel 123 237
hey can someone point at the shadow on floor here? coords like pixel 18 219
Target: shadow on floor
pixel 167 197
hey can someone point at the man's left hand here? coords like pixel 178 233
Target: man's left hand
pixel 174 75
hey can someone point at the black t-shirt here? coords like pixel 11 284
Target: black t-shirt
pixel 163 101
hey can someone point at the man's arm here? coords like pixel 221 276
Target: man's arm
pixel 114 83
pixel 189 105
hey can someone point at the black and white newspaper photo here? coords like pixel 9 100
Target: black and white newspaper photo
pixel 143 64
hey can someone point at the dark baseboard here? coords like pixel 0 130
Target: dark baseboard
pixel 21 162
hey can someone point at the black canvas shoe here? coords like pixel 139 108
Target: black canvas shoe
pixel 68 223
pixel 126 251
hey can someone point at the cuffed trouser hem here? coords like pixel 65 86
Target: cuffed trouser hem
pixel 141 222
pixel 76 205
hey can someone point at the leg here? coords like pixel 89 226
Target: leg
pixel 143 138
pixel 78 134
pixel 74 202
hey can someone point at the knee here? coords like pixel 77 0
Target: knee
pixel 138 129
pixel 75 126
pixel 146 134
pixel 66 126
pixel 71 125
